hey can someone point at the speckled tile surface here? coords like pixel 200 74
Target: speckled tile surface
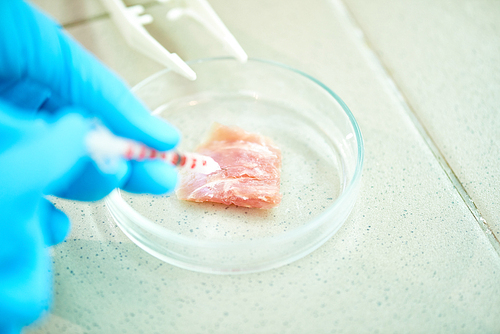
pixel 445 57
pixel 410 258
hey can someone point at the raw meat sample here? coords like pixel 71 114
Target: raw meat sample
pixel 250 170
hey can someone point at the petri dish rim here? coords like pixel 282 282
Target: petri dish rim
pixel 150 226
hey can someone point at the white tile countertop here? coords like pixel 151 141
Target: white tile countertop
pixel 420 251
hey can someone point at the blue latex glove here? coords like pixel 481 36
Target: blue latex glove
pixel 49 87
pixel 28 222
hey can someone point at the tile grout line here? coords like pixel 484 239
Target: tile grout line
pixel 376 64
pixel 87 20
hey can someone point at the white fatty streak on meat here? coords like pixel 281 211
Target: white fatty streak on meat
pixel 211 185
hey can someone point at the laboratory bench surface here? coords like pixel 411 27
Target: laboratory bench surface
pixel 420 250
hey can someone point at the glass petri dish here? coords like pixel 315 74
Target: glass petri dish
pixel 322 152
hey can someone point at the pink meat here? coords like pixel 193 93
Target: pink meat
pixel 250 170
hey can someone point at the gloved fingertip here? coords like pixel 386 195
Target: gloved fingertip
pixel 167 135
pixel 154 132
pixel 166 179
pixel 58 226
pixel 128 117
pixel 93 184
pixel 119 171
pixel 153 177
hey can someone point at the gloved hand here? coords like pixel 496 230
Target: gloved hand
pixel 49 87
pixel 36 157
